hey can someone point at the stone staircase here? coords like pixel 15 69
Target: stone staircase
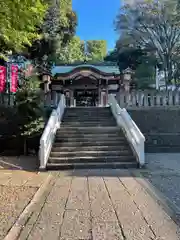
pixel 90 138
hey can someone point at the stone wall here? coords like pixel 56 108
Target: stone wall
pixel 161 127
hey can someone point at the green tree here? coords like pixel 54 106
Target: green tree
pixel 145 73
pixel 72 52
pixel 126 57
pixel 29 109
pixel 18 23
pixel 153 25
pixel 56 31
pixel 96 50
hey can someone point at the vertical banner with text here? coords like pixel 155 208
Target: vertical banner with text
pixel 14 78
pixel 2 78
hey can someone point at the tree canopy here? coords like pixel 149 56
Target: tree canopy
pixel 152 25
pixel 126 58
pixel 77 50
pixel 56 31
pixel 72 52
pixel 18 23
pixel 96 49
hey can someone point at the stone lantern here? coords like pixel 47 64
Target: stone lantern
pixel 47 81
pixel 46 78
pixel 127 73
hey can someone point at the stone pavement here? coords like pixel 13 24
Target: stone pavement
pixel 17 188
pixel 99 205
pixel 163 172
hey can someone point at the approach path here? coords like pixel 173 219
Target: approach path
pixel 99 205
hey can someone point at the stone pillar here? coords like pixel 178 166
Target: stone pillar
pixel 106 93
pixel 103 98
pixel 47 92
pixel 72 98
pixel 127 79
pixel 99 93
pixel 54 98
pixel 58 96
pixel 126 82
pixel 48 99
pixel 74 102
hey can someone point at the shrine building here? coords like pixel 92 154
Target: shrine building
pixel 84 84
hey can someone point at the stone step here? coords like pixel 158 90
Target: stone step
pixel 88 114
pixel 84 124
pixel 89 120
pixel 83 114
pixel 88 133
pixel 90 165
pixel 87 144
pixel 65 135
pixel 87 123
pixel 90 148
pixel 92 139
pixel 85 159
pixel 88 109
pixel 94 129
pixel 79 119
pixel 78 154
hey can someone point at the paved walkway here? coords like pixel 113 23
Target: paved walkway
pixel 17 188
pixel 99 205
pixel 163 172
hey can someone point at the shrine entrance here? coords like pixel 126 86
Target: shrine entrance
pixel 86 85
pixel 86 97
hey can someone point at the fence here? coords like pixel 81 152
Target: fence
pixel 148 98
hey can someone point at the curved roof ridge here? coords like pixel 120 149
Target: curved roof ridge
pixel 102 68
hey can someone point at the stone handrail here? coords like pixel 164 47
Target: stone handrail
pixel 49 133
pixel 132 132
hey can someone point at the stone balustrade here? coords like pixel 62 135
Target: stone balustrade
pixel 147 98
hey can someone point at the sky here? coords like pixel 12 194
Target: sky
pixel 96 20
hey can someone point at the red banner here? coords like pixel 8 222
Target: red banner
pixel 2 78
pixel 14 78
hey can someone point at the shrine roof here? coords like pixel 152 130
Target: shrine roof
pixel 65 69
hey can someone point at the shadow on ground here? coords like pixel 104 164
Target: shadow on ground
pixel 27 163
pixel 161 178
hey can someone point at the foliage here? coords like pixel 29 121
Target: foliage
pixel 144 75
pixel 126 58
pixel 73 52
pixel 29 107
pixel 8 121
pixel 96 49
pixel 112 56
pixel 78 51
pixel 153 25
pixel 56 31
pixel 18 22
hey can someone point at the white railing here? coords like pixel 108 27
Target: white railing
pixel 132 132
pixel 49 133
